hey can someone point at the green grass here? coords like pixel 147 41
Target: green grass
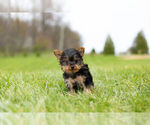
pixel 35 84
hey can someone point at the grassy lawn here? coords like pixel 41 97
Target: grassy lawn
pixel 35 84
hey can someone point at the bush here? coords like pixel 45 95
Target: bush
pixel 25 54
pixel 38 54
pixel 93 51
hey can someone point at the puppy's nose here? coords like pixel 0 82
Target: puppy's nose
pixel 72 67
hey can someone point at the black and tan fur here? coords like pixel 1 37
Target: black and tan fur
pixel 76 74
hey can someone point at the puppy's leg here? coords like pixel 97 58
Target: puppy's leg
pixel 71 91
pixel 70 88
pixel 69 83
pixel 86 90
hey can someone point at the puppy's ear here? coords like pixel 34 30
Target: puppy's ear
pixel 57 53
pixel 81 51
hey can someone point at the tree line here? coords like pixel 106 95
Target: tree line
pixel 19 36
pixel 44 31
pixel 139 46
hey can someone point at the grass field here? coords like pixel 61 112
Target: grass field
pixel 35 84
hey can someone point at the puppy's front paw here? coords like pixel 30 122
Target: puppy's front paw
pixel 70 92
pixel 86 90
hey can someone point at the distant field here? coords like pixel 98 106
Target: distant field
pixel 35 84
pixel 134 57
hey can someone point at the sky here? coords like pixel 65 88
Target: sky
pixel 96 19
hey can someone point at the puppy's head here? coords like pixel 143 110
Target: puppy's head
pixel 70 60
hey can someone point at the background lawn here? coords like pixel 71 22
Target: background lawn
pixel 35 84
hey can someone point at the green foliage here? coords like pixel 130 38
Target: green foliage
pixel 93 51
pixel 25 53
pixel 4 54
pixel 140 44
pixel 38 48
pixel 35 84
pixel 109 48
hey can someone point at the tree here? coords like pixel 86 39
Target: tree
pixel 93 51
pixel 139 45
pixel 109 48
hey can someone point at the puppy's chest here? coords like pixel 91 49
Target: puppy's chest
pixel 78 80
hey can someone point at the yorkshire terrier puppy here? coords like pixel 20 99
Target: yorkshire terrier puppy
pixel 76 74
